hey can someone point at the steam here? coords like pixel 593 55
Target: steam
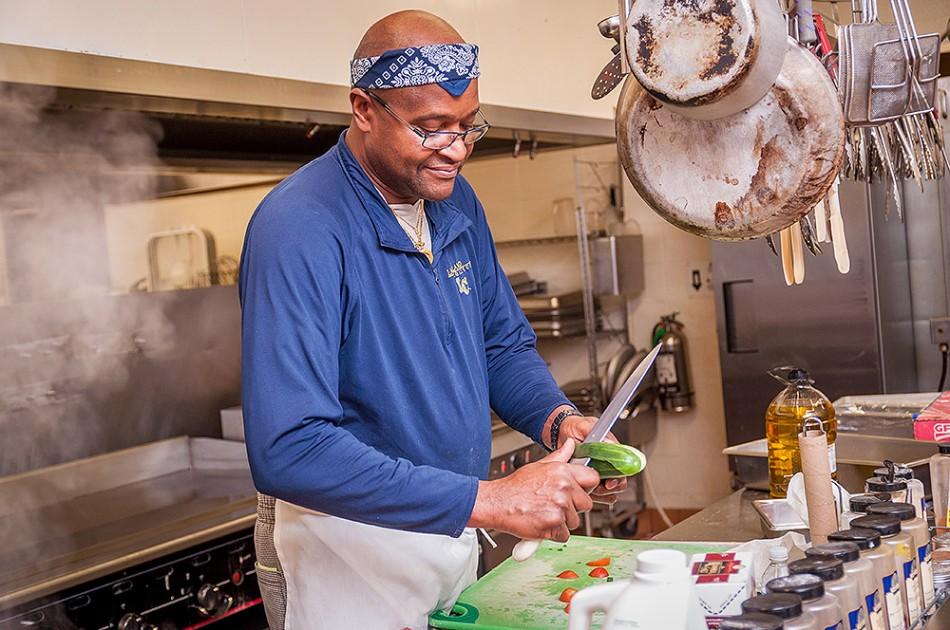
pixel 60 168
pixel 67 347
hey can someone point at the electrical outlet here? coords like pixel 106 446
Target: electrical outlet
pixel 700 279
pixel 940 330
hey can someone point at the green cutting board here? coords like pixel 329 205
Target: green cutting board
pixel 524 595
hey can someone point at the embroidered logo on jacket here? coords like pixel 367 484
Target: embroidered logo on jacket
pixel 461 281
pixel 458 268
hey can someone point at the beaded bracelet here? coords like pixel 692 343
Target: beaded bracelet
pixel 556 426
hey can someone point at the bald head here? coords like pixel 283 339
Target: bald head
pixel 391 119
pixel 404 29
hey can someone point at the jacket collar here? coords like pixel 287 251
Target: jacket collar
pixel 446 221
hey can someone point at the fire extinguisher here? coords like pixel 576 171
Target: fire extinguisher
pixel 674 386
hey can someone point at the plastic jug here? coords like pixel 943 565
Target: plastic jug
pixel 653 598
pixel 940 480
pixel 783 423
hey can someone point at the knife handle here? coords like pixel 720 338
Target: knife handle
pixel 524 549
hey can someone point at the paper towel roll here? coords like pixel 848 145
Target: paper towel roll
pixel 822 515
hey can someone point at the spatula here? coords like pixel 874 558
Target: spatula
pixel 609 78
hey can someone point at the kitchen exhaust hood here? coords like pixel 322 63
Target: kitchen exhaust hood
pixel 233 118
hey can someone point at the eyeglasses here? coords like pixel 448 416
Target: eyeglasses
pixel 437 140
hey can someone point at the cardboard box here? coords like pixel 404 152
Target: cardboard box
pixel 933 423
pixel 723 581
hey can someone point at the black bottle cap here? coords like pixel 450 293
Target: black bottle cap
pixel 859 502
pixel 825 568
pixel 901 472
pixel 862 537
pixel 805 585
pixel 798 374
pixel 879 484
pixel 784 605
pixel 752 621
pixel 883 525
pixel 944 447
pixel 902 511
pixel 844 551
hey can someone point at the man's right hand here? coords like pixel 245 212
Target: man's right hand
pixel 539 500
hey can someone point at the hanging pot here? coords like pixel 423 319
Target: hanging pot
pixel 706 58
pixel 743 176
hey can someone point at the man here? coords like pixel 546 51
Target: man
pixel 378 330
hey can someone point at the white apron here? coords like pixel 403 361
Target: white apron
pixel 344 574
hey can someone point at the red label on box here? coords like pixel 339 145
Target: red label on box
pixel 716 567
pixel 933 423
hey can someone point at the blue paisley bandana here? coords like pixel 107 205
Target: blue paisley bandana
pixel 451 66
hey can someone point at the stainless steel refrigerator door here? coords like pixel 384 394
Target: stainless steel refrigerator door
pixel 928 243
pixel 831 325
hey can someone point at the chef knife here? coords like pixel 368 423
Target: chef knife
pixel 525 549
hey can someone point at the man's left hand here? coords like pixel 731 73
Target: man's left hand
pixel 577 427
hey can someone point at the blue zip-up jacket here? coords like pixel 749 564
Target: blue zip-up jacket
pixel 367 373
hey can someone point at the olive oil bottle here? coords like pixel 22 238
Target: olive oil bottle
pixel 783 423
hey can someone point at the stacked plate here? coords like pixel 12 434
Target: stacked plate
pixel 581 393
pixel 555 315
pixel 524 284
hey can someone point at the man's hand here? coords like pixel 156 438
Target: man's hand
pixel 577 428
pixel 539 500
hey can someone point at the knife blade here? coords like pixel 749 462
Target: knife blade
pixel 524 549
pixel 619 402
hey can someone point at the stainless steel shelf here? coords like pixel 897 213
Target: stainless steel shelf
pixel 546 334
pixel 540 240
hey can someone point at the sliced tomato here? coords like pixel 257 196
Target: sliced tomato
pixel 599 572
pixel 567 594
pixel 567 575
pixel 567 608
pixel 600 562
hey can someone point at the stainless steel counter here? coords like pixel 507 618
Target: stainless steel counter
pixel 67 524
pixel 857 454
pixel 732 519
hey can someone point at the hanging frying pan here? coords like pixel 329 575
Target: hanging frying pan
pixel 743 176
pixel 705 58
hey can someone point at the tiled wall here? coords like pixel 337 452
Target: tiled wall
pixel 685 460
pixel 525 198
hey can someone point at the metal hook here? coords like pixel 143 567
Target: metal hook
pixel 812 418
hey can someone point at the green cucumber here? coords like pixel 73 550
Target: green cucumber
pixel 612 460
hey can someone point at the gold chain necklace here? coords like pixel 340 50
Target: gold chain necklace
pixel 419 241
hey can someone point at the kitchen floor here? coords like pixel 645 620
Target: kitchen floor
pixel 650 523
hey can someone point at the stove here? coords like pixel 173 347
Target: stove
pixel 510 450
pixel 154 537
pixel 210 585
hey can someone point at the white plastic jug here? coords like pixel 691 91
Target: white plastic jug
pixel 661 596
